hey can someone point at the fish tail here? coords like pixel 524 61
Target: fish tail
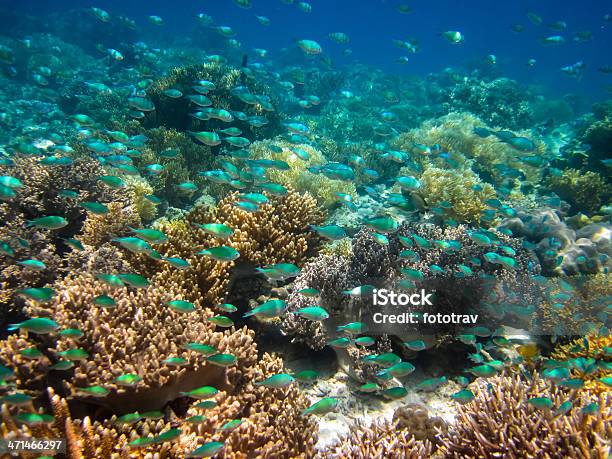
pixel 12 327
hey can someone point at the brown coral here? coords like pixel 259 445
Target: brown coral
pixel 99 229
pixel 379 440
pixel 136 336
pixel 500 422
pixel 278 232
pixel 271 427
pixel 457 188
pixel 27 243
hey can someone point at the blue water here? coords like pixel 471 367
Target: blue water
pixel 372 25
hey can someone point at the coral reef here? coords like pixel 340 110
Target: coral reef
pixel 100 229
pixel 380 439
pixel 501 421
pixel 271 425
pixel 458 189
pixel 174 113
pixel 585 191
pixel 590 347
pixel 40 193
pixel 323 189
pixel 560 249
pixel 501 102
pixel 581 312
pixel 25 243
pixel 494 160
pixel 380 265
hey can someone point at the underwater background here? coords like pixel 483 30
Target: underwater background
pixel 324 229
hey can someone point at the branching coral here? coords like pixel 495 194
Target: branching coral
pixel 380 440
pixel 278 232
pixel 500 421
pixel 501 102
pixel 574 305
pixel 493 158
pixel 117 340
pixel 138 188
pixel 271 425
pixel 25 243
pixel 100 229
pixel 298 176
pixel 457 188
pixel 39 195
pixel 590 347
pixel 174 113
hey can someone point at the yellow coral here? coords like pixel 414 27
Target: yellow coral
pixel 455 133
pixel 298 176
pixel 581 311
pixel 597 345
pixel 585 191
pixel 457 188
pixel 138 188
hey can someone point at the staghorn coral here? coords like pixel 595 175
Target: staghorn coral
pixel 585 191
pixel 500 422
pixel 320 187
pixel 591 346
pixel 118 340
pixel 271 426
pixel 381 439
pixel 457 188
pixel 100 229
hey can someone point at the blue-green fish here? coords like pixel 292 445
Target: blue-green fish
pixel 277 381
pixel 38 325
pixel 269 309
pixel 51 222
pixel 315 313
pixel 331 232
pixel 221 253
